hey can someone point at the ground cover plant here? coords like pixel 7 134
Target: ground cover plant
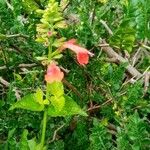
pixel 74 74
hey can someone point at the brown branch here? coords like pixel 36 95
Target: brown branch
pixel 4 82
pixel 27 65
pixel 146 82
pixel 106 27
pixel 20 66
pixel 112 54
pixel 70 86
pixel 136 56
pixel 17 35
pixel 99 106
pixel 3 67
pixel 55 133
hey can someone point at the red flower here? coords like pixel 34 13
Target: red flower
pixel 82 53
pixel 53 73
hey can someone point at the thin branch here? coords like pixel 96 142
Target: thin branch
pixel 93 14
pixel 70 86
pixel 9 5
pixel 20 66
pixel 3 67
pixel 112 54
pixel 106 27
pixel 55 133
pixel 145 46
pixel 17 35
pixel 99 106
pixel 146 82
pixel 27 65
pixel 4 82
pixel 113 60
pixel 136 56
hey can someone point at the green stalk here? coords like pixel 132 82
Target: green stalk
pixel 44 128
pixel 44 122
pixel 50 49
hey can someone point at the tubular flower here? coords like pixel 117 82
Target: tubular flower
pixel 82 53
pixel 53 73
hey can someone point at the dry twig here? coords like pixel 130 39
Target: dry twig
pixel 112 54
pixel 4 82
pixel 55 133
pixel 70 86
pixel 106 27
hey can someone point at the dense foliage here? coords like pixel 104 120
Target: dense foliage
pixel 113 92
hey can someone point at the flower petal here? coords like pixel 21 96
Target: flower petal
pixel 82 53
pixel 77 49
pixel 53 73
pixel 83 58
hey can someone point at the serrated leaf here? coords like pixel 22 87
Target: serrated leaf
pixel 39 96
pixel 58 102
pixel 56 89
pixel 28 102
pixel 70 108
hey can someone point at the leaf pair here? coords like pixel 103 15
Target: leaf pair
pixel 29 102
pixel 58 103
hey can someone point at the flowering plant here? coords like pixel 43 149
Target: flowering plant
pixel 54 102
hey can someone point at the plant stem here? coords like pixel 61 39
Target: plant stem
pixel 50 49
pixel 47 95
pixel 44 127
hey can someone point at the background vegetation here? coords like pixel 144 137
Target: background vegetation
pixel 116 99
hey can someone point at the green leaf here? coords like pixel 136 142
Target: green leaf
pixel 23 145
pixel 30 5
pixel 10 134
pixel 2 37
pixel 39 96
pixel 70 108
pixel 32 144
pixel 100 138
pixel 124 37
pixel 58 102
pixel 40 147
pixel 28 102
pixel 56 89
pixel 58 56
pixel 138 12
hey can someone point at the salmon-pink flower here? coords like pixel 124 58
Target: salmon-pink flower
pixel 53 73
pixel 82 53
